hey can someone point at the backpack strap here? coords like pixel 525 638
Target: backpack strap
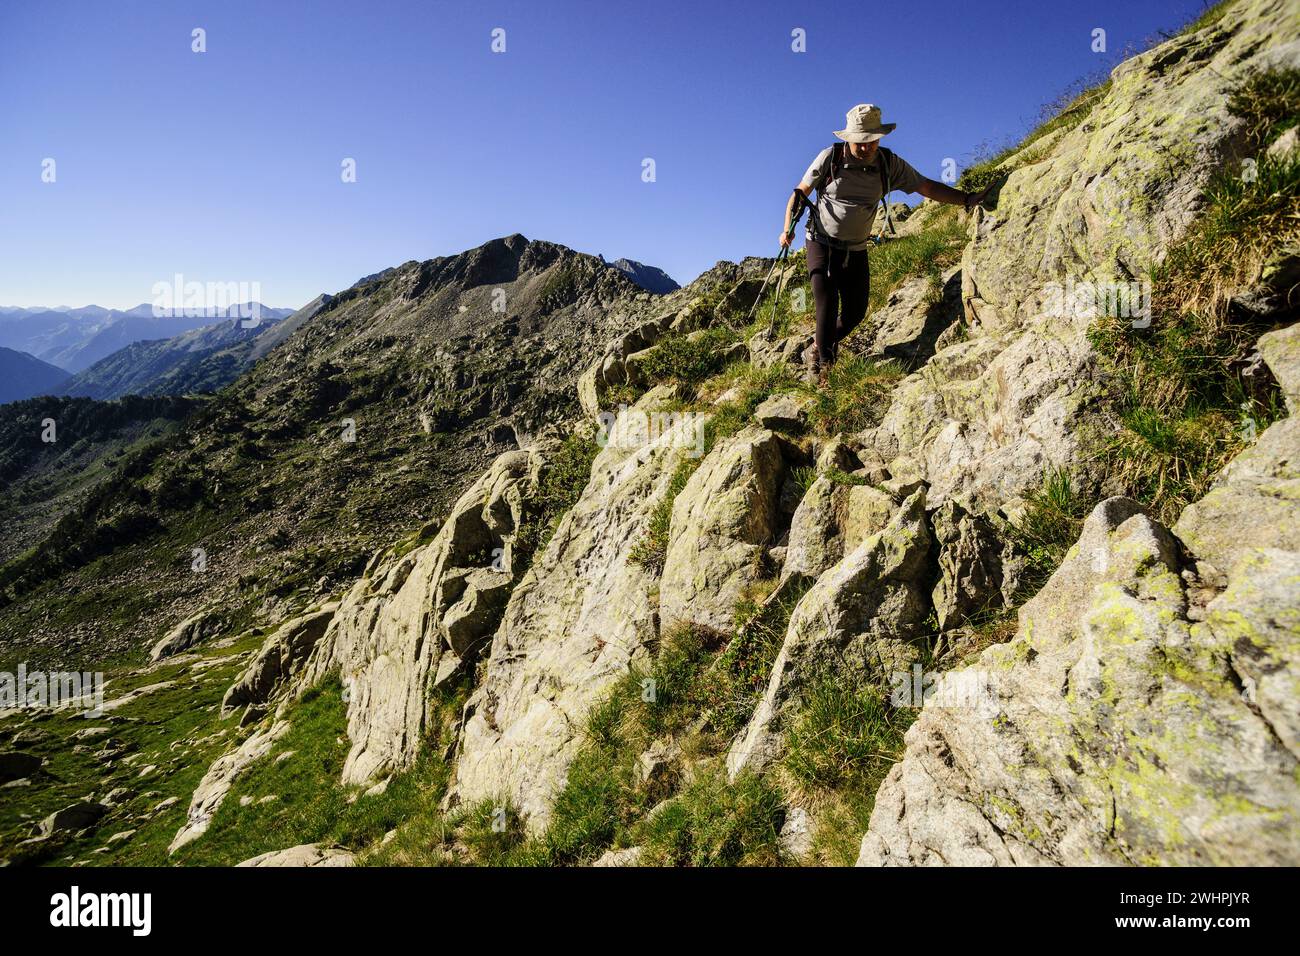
pixel 885 158
pixel 835 168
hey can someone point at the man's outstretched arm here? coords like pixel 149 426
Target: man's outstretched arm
pixel 937 191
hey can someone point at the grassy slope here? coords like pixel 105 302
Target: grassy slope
pixel 170 729
pixel 1184 410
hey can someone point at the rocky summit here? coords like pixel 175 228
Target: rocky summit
pixel 501 558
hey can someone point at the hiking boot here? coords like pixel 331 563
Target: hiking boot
pixel 812 364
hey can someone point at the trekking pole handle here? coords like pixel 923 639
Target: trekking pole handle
pixel 800 204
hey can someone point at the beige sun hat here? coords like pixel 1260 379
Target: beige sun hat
pixel 862 125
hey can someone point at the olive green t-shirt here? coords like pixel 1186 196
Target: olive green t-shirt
pixel 847 207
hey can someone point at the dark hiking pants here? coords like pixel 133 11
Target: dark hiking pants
pixel 840 284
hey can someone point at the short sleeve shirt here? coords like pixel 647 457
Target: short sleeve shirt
pixel 847 207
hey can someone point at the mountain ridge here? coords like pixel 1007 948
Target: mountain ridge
pixel 413 341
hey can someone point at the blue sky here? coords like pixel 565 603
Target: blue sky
pixel 225 166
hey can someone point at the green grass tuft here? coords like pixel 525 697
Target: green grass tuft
pixel 562 480
pixel 856 394
pixel 716 823
pixel 689 359
pixel 838 751
pixel 1049 525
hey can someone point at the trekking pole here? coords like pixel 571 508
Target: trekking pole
pixel 776 299
pixel 781 257
pixel 763 288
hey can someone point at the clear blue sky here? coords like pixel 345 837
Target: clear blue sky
pixel 225 166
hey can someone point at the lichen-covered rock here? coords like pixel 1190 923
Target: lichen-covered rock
pixel 308 854
pixel 859 617
pixel 832 519
pixel 612 367
pixel 1281 350
pixel 1254 503
pixel 591 391
pixel 1106 200
pixel 415 615
pixel 970 565
pixel 658 763
pixel 282 655
pixel 784 412
pixel 983 420
pixel 908 327
pixel 1257 621
pixel 575 623
pixel 766 350
pixel 1120 728
pixel 722 519
pixel 466 623
pixel 816 531
pixel 797 833
pixel 193 630
pixel 629 856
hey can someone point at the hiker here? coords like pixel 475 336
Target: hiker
pixel 851 178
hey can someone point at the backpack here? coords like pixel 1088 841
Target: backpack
pixel 839 165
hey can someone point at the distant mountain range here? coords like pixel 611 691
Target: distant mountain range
pixel 200 360
pixel 106 353
pixel 75 339
pixel 23 375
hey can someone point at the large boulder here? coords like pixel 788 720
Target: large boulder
pixel 1130 721
pixel 722 520
pixel 832 519
pixel 1281 350
pixel 422 613
pixel 577 621
pixel 16 764
pixel 909 325
pixel 861 617
pixel 785 412
pixel 282 655
pixel 970 566
pixel 193 630
pixel 78 816
pixel 1252 503
pixel 306 855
